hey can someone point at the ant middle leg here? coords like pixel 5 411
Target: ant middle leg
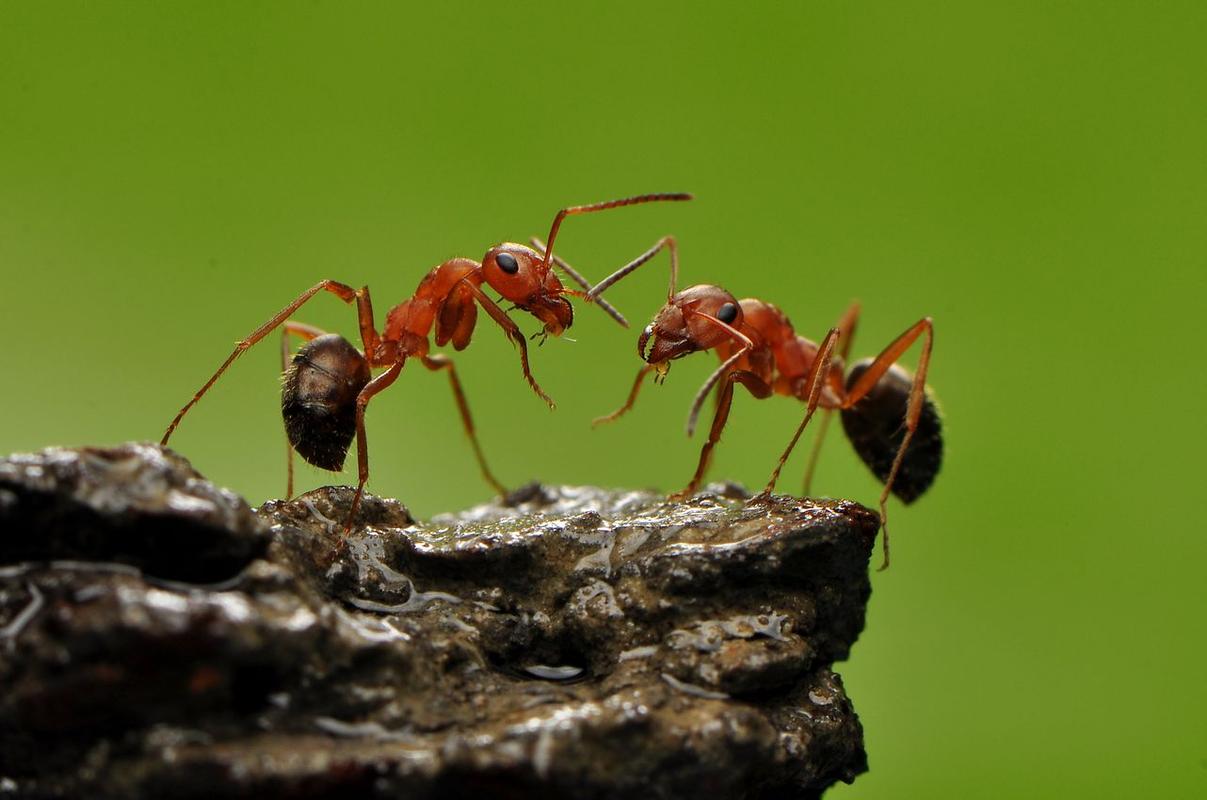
pixel 340 290
pixel 441 362
pixel 813 386
pixel 846 337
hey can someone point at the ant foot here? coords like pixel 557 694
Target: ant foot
pixel 605 419
pixel 762 498
pixel 335 553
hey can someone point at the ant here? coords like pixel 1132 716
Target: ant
pixel 329 383
pixel 888 415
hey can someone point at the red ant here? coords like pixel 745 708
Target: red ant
pixel 889 416
pixel 329 383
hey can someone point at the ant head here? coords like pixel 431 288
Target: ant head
pixel 688 323
pixel 517 273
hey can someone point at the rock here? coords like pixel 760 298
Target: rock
pixel 136 504
pixel 571 642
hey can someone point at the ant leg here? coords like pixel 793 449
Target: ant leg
pixel 815 452
pixel 441 362
pixel 746 346
pixel 814 384
pixel 374 386
pixel 305 333
pixel 913 410
pixel 846 337
pixel 666 241
pixel 628 404
pixel 578 278
pixel 342 291
pixel 724 401
pixel 757 387
pixel 513 333
pixel 717 374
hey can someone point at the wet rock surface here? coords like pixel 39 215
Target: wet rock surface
pixel 136 504
pixel 571 642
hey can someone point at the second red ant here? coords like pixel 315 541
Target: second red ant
pixel 329 382
pixel 888 415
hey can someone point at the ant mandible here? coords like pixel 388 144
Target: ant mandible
pixel 888 415
pixel 329 383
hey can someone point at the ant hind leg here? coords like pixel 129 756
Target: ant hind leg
pixel 344 292
pixel 441 362
pixel 306 333
pixel 374 386
pixel 916 404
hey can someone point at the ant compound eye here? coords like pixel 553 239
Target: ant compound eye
pixel 507 263
pixel 727 313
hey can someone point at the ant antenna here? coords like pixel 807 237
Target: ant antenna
pixel 587 209
pixel 581 280
pixel 666 241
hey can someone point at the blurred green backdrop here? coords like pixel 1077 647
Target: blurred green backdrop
pixel 1032 175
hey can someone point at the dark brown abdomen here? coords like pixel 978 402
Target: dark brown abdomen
pixel 876 428
pixel 318 399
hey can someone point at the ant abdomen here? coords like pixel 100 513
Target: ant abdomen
pixel 876 428
pixel 318 399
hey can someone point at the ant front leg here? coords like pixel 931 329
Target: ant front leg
pixel 440 362
pixel 913 409
pixel 340 290
pixel 757 387
pixel 513 333
pixel 813 385
pixel 746 346
pixel 628 403
pixel 306 333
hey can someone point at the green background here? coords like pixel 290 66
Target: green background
pixel 1031 175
